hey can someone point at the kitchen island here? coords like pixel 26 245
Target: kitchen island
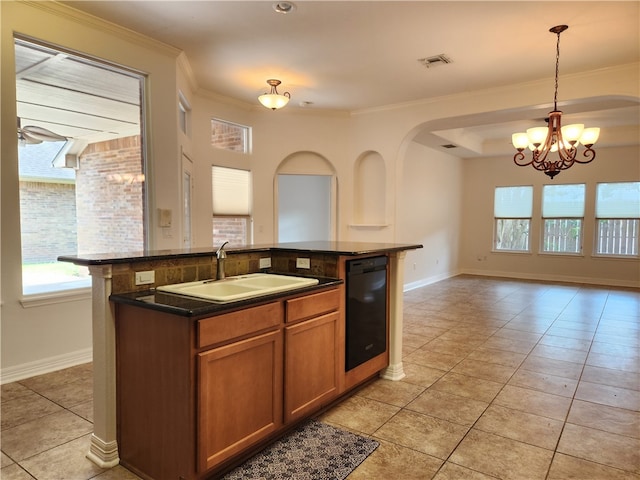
pixel 115 274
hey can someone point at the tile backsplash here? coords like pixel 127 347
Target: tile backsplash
pixel 180 270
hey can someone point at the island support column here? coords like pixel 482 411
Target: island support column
pixel 104 446
pixel 395 370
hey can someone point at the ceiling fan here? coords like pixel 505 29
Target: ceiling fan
pixel 31 134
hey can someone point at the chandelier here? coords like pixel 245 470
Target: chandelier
pixel 554 138
pixel 273 99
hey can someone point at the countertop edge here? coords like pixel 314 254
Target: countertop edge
pixel 326 248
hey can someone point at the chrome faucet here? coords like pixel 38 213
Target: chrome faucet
pixel 221 255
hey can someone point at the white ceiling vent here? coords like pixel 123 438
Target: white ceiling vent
pixel 435 60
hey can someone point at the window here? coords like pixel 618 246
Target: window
pixel 617 218
pixel 230 136
pixel 563 214
pixel 85 195
pixel 512 214
pixel 184 114
pixel 231 189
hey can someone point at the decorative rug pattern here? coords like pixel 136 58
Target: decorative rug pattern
pixel 313 451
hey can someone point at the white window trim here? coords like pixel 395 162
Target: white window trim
pixel 52 298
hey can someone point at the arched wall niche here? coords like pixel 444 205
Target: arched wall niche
pixel 305 163
pixel 308 204
pixel 369 190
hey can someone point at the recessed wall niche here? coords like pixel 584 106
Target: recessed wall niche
pixel 370 191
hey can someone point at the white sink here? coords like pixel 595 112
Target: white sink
pixel 240 287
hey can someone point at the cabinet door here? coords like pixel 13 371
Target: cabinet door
pixel 239 397
pixel 311 374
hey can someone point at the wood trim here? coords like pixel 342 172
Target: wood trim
pixel 153 353
pixel 226 327
pixel 309 306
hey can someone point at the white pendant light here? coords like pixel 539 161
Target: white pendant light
pixel 273 99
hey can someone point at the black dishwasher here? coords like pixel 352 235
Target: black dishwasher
pixel 366 319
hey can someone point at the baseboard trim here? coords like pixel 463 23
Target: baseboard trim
pixel 104 454
pixel 46 365
pixel 428 281
pixel 393 372
pixel 605 282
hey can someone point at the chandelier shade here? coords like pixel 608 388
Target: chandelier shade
pixel 273 99
pixel 554 138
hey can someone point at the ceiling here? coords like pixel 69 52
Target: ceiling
pixel 358 55
pixel 74 97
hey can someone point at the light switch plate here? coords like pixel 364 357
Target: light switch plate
pixel 303 263
pixel 145 278
pixel 265 262
pixel 164 217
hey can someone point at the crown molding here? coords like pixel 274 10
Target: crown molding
pixel 619 70
pixel 70 13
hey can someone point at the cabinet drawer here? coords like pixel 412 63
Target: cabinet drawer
pixel 236 324
pixel 313 305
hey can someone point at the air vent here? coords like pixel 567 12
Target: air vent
pixel 449 145
pixel 435 60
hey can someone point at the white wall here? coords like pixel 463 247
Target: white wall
pixel 482 175
pixel 428 212
pixel 277 136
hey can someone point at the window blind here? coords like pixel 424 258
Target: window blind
pixel 618 200
pixel 563 201
pixel 231 191
pixel 513 202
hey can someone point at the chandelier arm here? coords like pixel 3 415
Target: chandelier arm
pixel 567 155
pixel 541 166
pixel 544 166
pixel 540 153
pixel 589 154
pixel 519 159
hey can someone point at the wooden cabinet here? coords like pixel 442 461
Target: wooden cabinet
pixel 239 396
pixel 311 374
pixel 311 353
pixel 239 381
pixel 195 394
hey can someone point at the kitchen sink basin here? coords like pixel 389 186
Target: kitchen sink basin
pixel 241 287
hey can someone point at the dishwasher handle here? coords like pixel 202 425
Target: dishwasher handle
pixel 366 265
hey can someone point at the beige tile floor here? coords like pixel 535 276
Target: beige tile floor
pixel 505 379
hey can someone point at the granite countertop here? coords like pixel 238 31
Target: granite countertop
pixel 324 247
pixel 185 306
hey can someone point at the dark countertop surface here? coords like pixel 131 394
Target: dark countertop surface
pixel 185 306
pixel 325 247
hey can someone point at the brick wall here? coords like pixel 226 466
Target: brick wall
pixel 227 136
pixel 231 229
pixel 109 193
pixel 47 221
